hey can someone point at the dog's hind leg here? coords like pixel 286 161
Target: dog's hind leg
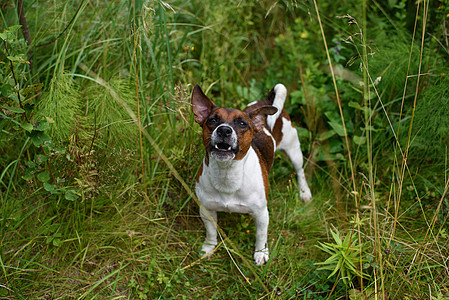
pixel 291 146
pixel 211 231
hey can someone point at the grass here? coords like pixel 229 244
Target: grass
pixel 124 140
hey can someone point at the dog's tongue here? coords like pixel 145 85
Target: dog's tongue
pixel 223 147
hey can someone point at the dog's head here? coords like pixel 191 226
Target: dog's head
pixel 227 132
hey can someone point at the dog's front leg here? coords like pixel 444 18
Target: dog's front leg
pixel 209 219
pixel 261 219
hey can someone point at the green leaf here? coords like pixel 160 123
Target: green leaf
pixel 336 146
pixel 331 260
pixel 15 109
pixel 9 33
pixel 371 128
pixel 359 140
pixel 325 135
pixel 40 158
pixel 5 88
pixel 42 125
pixel 326 268
pixel 336 237
pixel 27 126
pixel 350 265
pixel 39 138
pixel 303 132
pixel 31 89
pixel 28 176
pixel 43 177
pixel 337 267
pixel 297 97
pixel 18 58
pixel 14 28
pixel 354 104
pixel 357 106
pixel 49 187
pixel 326 247
pixel 30 164
pixel 338 127
pixel 57 242
pixel 71 195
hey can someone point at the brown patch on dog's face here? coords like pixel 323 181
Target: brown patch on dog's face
pixel 244 129
pixel 227 134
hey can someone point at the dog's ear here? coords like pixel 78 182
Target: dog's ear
pixel 201 105
pixel 262 111
pixel 258 116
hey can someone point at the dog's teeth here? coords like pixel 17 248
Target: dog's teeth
pixel 229 149
pixel 216 147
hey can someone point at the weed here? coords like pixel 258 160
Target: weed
pixel 345 257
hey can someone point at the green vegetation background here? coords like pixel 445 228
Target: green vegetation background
pixel 99 150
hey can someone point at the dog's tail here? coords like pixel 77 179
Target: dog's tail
pixel 280 93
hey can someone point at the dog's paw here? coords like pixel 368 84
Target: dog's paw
pixel 261 256
pixel 305 194
pixel 207 250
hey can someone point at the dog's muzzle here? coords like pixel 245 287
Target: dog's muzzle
pixel 224 143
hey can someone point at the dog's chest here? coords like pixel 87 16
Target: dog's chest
pixel 236 187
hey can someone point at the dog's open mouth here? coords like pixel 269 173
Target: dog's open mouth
pixel 223 147
pixel 223 151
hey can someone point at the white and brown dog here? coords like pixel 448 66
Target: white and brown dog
pixel 240 147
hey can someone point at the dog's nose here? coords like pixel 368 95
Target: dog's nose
pixel 224 131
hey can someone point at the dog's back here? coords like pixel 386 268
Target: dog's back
pixel 268 128
pixel 283 135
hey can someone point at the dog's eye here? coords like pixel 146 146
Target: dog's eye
pixel 243 124
pixel 213 121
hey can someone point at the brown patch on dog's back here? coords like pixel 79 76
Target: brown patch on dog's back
pixel 277 129
pixel 262 142
pixel 263 145
pixel 261 121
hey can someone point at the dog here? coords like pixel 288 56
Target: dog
pixel 240 147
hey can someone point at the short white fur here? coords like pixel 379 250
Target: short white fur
pixel 234 186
